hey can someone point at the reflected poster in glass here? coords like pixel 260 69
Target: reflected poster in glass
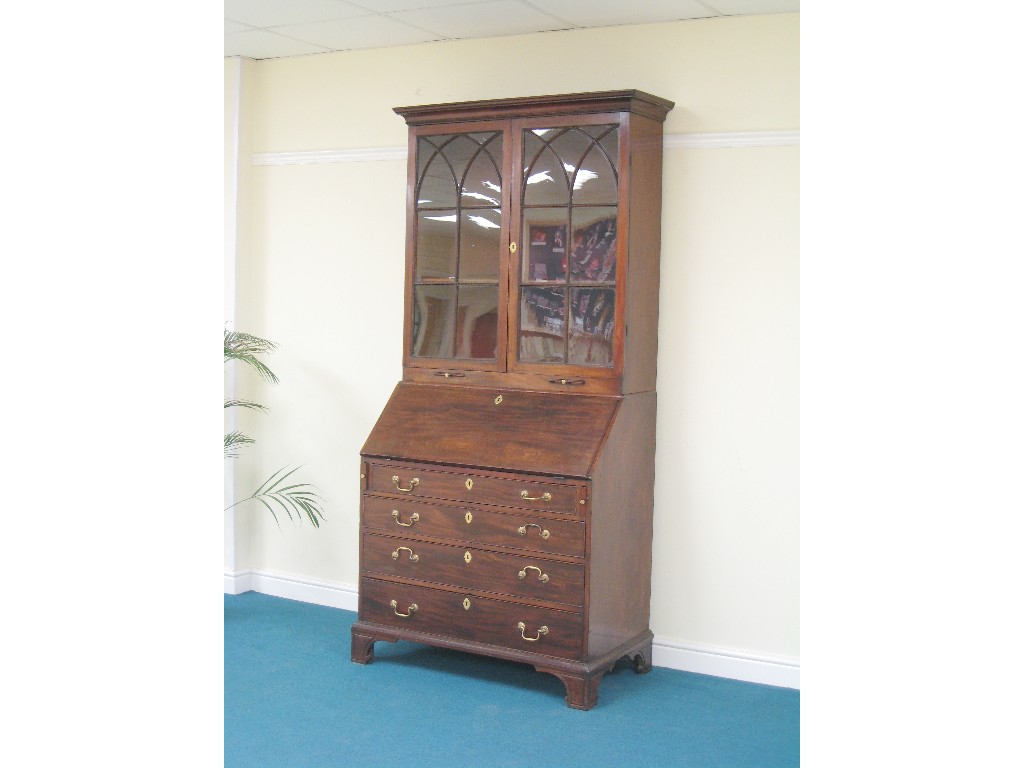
pixel 592 326
pixel 542 325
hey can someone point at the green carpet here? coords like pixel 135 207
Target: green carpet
pixel 293 699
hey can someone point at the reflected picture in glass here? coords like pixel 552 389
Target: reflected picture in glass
pixel 432 323
pixel 592 258
pixel 592 326
pixel 544 240
pixel 542 325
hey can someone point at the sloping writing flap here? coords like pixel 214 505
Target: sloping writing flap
pixel 509 430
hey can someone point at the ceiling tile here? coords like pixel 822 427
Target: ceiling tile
pixel 261 44
pixel 235 26
pixel 361 32
pixel 744 7
pixel 274 13
pixel 490 19
pixel 595 13
pixel 388 6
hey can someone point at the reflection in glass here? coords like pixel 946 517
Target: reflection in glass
pixel 543 238
pixel 594 182
pixel 592 257
pixel 435 245
pixel 546 180
pixel 592 326
pixel 432 326
pixel 480 235
pixel 476 322
pixel 482 182
pixel 542 325
pixel 437 185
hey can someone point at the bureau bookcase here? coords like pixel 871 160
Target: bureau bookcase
pixel 507 486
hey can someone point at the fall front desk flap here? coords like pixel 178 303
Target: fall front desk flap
pixel 552 434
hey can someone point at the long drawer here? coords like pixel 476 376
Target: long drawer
pixel 460 484
pixel 469 567
pixel 474 524
pixel 469 617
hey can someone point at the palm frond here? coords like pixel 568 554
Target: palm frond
pixel 245 404
pixel 244 347
pixel 298 498
pixel 233 441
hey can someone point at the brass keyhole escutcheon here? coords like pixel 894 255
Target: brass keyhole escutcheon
pixel 498 399
pixel 469 518
pixel 466 604
pixel 512 247
pixel 468 556
pixel 469 484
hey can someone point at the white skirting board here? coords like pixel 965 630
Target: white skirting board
pixel 717 662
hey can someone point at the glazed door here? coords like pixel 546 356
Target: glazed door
pixel 458 246
pixel 569 246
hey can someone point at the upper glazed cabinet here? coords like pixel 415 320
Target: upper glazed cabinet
pixel 532 242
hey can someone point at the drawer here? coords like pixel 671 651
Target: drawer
pixel 468 617
pixel 460 484
pixel 475 525
pixel 472 568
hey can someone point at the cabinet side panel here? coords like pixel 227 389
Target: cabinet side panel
pixel 641 342
pixel 621 519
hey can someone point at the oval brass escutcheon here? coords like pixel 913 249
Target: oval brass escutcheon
pixel 512 247
pixel 498 399
pixel 468 556
pixel 469 518
pixel 469 484
pixel 466 604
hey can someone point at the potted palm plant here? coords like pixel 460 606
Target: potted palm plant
pixel 294 499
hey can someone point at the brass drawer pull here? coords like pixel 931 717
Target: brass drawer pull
pixel 522 631
pixel 544 532
pixel 412 519
pixel 412 556
pixel 451 374
pixel 412 609
pixel 543 497
pixel 568 382
pixel 541 576
pixel 412 484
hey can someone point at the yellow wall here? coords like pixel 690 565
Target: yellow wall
pixel 320 271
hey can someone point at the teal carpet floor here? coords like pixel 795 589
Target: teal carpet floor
pixel 293 699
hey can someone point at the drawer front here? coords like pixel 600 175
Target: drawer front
pixel 458 484
pixel 472 568
pixel 466 617
pixel 475 525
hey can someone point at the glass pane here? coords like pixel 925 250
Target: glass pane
pixel 482 183
pixel 437 185
pixel 435 245
pixel 476 324
pixel 544 255
pixel 481 244
pixel 592 327
pixel 432 320
pixel 544 173
pixel 593 244
pixel 595 182
pixel 542 325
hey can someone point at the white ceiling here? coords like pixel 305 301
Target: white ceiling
pixel 270 29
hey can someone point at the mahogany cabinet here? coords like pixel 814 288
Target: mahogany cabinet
pixel 507 487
